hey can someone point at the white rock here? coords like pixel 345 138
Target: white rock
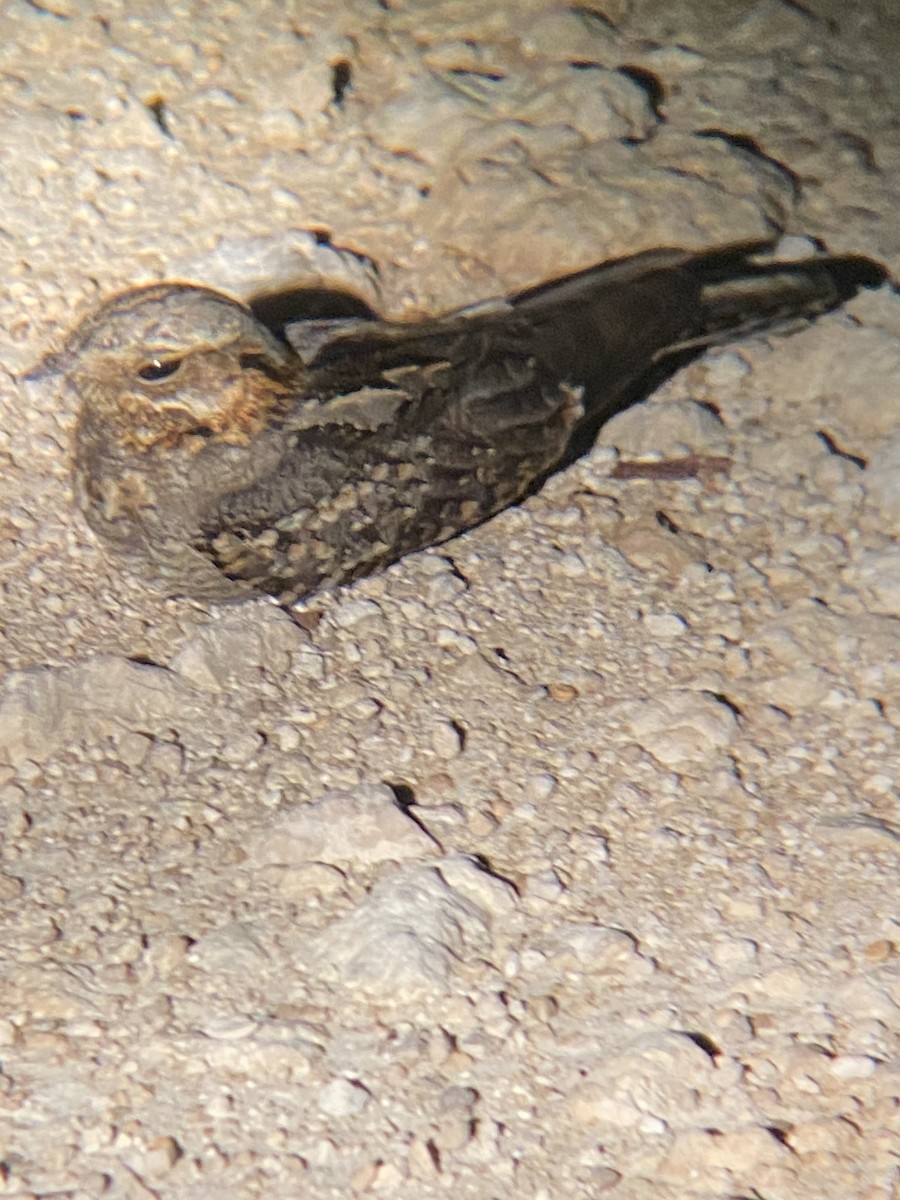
pixel 679 727
pixel 352 612
pixel 853 1066
pixel 48 707
pixel 232 949
pixel 405 936
pixel 364 826
pixel 446 739
pixel 665 427
pixel 494 895
pixel 342 1098
pixel 235 648
pixel 665 626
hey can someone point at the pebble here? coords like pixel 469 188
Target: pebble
pixel 363 827
pixel 403 939
pixel 678 727
pixel 541 787
pixel 665 626
pixel 853 1066
pixel 342 1098
pixel 447 739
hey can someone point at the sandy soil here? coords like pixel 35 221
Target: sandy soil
pixel 561 861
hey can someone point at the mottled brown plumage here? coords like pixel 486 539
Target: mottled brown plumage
pixel 222 460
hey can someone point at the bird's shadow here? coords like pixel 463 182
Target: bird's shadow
pixel 278 309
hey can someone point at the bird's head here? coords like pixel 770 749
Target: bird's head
pixel 174 365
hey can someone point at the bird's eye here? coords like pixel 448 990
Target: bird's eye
pixel 159 368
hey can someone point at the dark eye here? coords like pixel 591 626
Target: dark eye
pixel 159 368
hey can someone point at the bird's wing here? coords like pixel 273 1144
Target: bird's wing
pixel 400 438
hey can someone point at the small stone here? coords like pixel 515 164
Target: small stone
pixel 353 612
pixel 342 1098
pixel 447 739
pixel 481 824
pixel 489 892
pixel 453 1133
pixel 166 759
pixel 286 737
pixel 237 647
pixel 404 939
pixel 132 747
pixel 160 1156
pixel 640 431
pixel 545 885
pixel 450 639
pixel 388 1178
pixel 541 787
pixel 853 1066
pixel 724 369
pixel 47 707
pixel 243 749
pixel 364 826
pixel 363 1179
pixel 307 879
pixel 11 887
pixel 679 727
pixel 880 951
pixel 665 626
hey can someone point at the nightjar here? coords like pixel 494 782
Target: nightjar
pixel 223 460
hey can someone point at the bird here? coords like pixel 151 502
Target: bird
pixel 222 458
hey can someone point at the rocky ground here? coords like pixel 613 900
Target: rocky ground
pixel 560 861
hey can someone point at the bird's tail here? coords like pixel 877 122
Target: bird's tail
pixel 602 326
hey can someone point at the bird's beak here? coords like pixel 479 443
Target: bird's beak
pixel 49 367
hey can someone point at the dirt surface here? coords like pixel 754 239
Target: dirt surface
pixel 560 861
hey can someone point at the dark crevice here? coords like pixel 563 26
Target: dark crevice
pixel 483 76
pixel 484 864
pixel 156 106
pixel 750 146
pixel 323 238
pixel 593 16
pixel 46 11
pixel 833 448
pixel 454 569
pixel 721 698
pixel 434 1154
pixel 706 1044
pixel 780 1135
pixel 404 796
pixel 830 24
pixel 862 150
pixel 460 732
pixel 650 84
pixel 666 522
pixel 341 78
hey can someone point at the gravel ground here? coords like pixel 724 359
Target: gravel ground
pixel 560 861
